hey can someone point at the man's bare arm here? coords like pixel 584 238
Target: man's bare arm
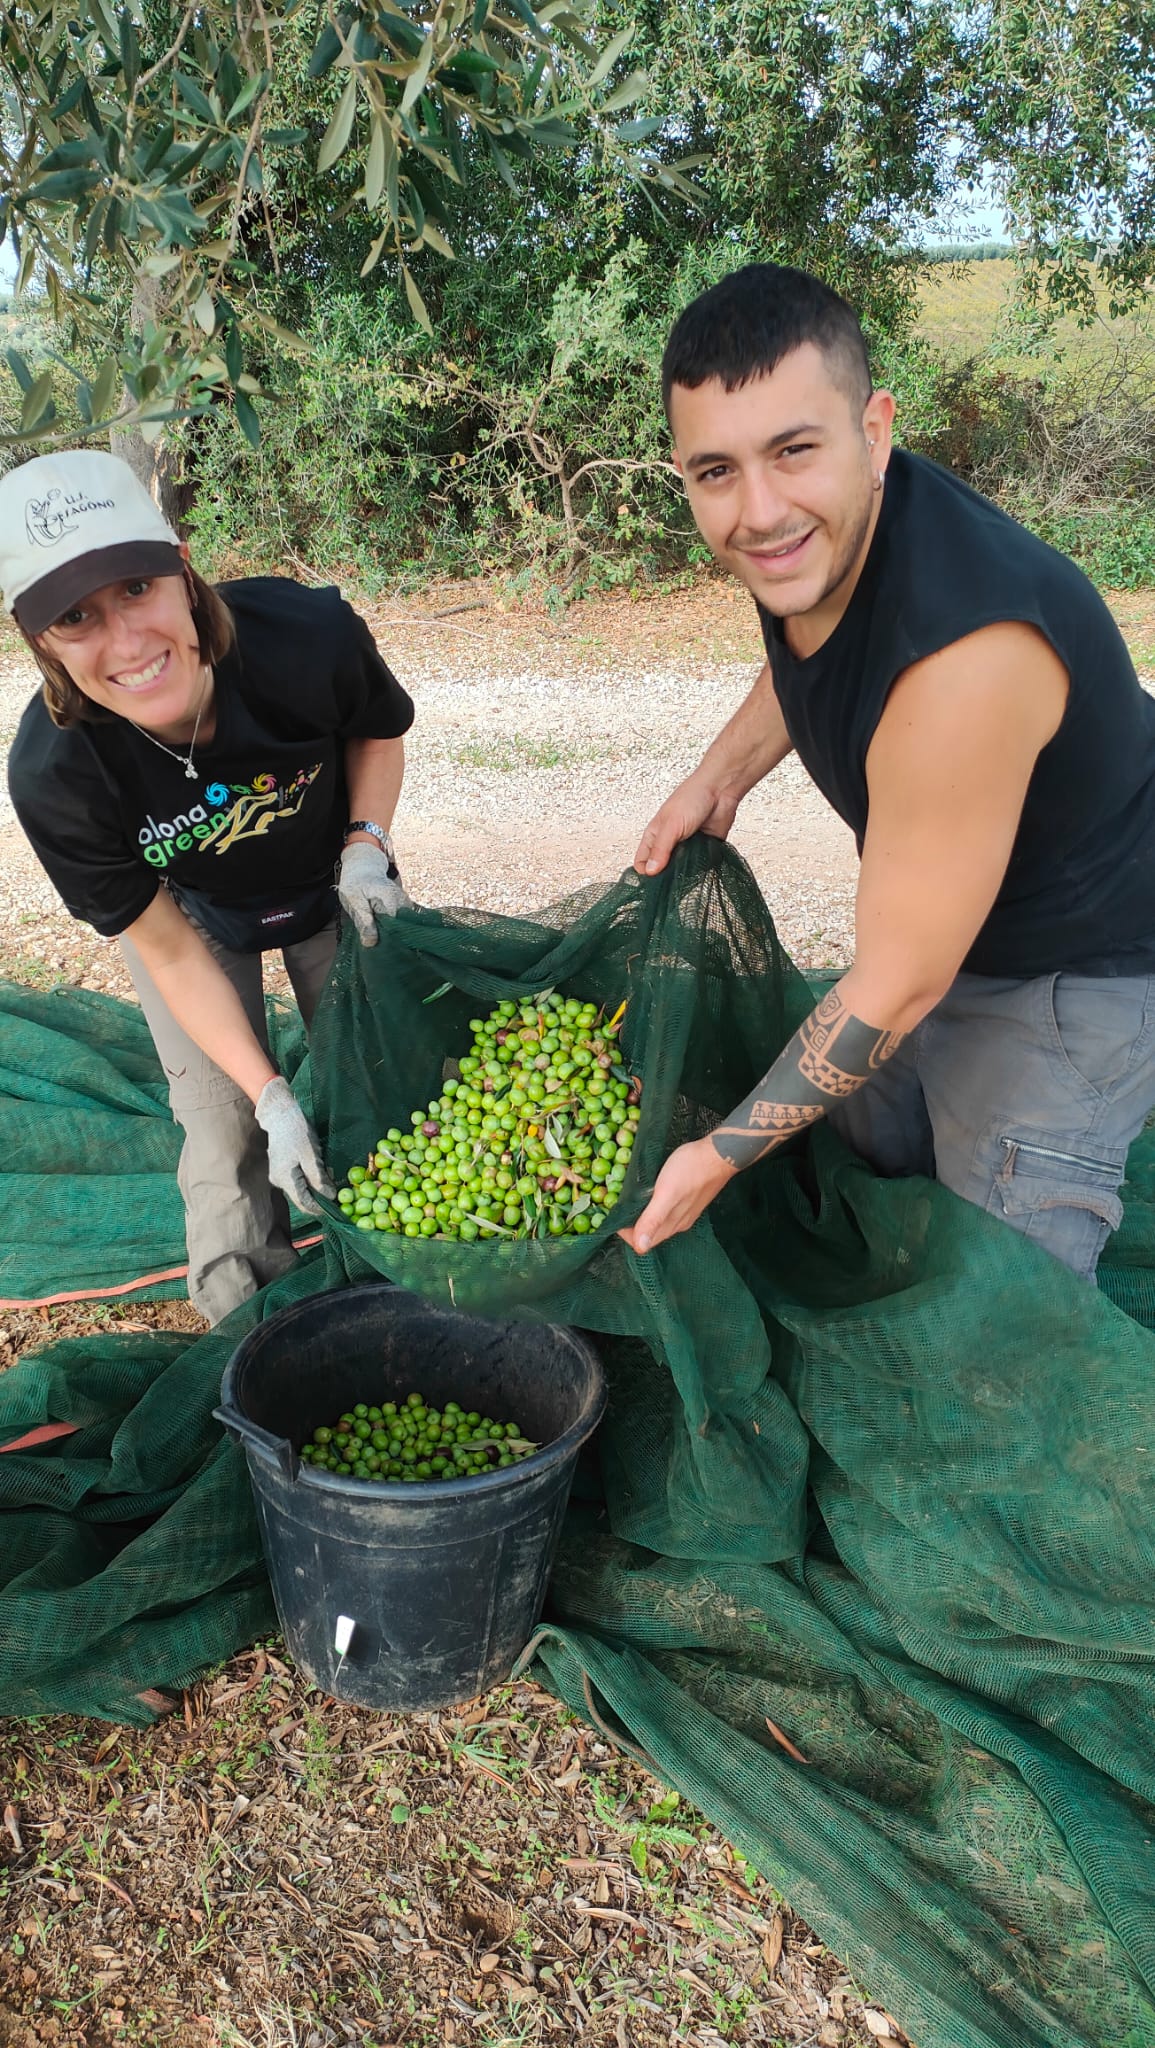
pixel 948 771
pixel 828 1058
pixel 749 745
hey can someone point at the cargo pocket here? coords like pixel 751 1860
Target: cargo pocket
pixel 1067 1201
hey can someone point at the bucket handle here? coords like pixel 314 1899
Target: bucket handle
pixel 276 1448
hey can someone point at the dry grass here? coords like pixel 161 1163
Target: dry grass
pixel 967 311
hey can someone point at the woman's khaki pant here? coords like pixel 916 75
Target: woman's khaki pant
pixel 236 1222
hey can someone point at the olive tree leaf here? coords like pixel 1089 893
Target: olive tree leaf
pixel 37 399
pixel 377 250
pixel 639 131
pixel 432 235
pixel 249 422
pixel 248 93
pixel 196 100
pixel 609 57
pixel 375 162
pixel 417 305
pixel 105 388
pixel 626 93
pixel 234 355
pixel 416 81
pixel 326 51
pixel 19 369
pixel 335 140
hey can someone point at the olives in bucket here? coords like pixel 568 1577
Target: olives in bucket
pixel 412 1441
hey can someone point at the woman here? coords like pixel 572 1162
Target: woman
pixel 194 766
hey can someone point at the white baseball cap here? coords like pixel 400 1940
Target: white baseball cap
pixel 70 522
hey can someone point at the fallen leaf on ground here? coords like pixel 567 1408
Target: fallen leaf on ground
pixel 772 1944
pixel 877 2024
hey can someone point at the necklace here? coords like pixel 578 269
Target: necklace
pixel 192 774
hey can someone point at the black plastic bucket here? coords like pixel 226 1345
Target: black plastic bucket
pixel 442 1583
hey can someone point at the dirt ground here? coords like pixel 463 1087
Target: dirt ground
pixel 266 1868
pixel 269 1869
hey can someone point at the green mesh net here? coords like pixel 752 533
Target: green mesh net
pixel 88 1149
pixel 876 1471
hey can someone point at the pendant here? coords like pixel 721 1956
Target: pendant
pixel 190 772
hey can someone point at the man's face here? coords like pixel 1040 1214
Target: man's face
pixel 780 478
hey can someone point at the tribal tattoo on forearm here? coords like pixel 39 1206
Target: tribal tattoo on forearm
pixel 828 1058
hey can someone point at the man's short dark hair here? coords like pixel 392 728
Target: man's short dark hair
pixel 744 326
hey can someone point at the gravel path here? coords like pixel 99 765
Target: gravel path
pixel 541 748
pixel 539 752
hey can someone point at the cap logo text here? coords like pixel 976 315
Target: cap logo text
pixel 47 520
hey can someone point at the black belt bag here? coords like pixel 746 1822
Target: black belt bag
pixel 256 924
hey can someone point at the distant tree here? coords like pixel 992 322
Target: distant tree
pixel 1055 106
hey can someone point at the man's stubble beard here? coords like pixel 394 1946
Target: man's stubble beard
pixel 840 569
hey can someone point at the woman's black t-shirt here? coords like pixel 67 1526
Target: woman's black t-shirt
pixel 110 813
pixel 1079 892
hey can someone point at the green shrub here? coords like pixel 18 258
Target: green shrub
pixel 1069 449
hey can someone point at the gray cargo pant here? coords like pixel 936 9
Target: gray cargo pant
pixel 1022 1096
pixel 236 1222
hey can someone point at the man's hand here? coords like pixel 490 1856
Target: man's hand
pixel 295 1162
pixel 366 889
pixel 696 806
pixel 686 1185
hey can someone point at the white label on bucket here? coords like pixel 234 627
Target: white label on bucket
pixel 344 1635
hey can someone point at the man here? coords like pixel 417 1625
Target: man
pixel 961 695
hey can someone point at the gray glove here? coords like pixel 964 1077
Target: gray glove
pixel 365 888
pixel 295 1162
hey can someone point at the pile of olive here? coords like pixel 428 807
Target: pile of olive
pixel 531 1138
pixel 410 1441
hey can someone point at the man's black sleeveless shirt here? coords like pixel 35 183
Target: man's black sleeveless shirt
pixel 1079 893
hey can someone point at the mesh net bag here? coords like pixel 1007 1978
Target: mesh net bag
pixel 877 1476
pixel 709 990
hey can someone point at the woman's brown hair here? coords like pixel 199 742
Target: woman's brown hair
pixel 216 633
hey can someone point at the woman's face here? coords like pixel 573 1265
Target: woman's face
pixel 133 647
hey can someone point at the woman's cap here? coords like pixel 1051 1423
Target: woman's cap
pixel 70 522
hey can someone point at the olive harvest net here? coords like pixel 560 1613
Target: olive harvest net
pixel 875 1470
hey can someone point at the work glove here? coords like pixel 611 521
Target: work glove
pixel 295 1162
pixel 366 889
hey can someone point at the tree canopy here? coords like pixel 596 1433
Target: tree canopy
pixel 184 183
pixel 147 151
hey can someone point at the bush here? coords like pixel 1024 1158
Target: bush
pixel 537 444
pixel 1069 450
